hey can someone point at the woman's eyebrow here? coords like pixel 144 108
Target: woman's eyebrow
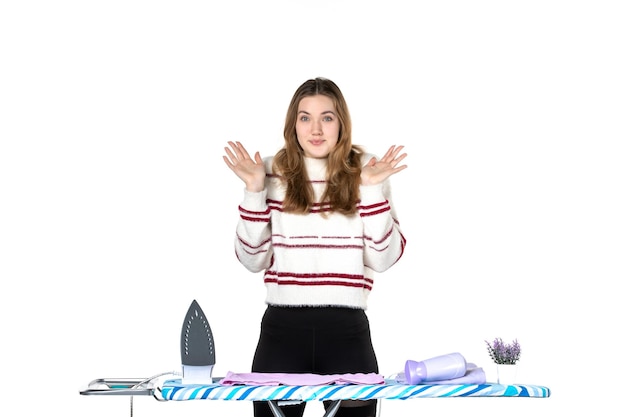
pixel 324 112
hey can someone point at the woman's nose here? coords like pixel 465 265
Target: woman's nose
pixel 316 127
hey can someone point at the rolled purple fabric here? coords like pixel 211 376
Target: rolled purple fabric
pixel 274 378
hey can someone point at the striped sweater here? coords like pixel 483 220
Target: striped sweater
pixel 311 260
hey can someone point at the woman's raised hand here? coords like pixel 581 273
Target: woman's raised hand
pixel 377 171
pixel 251 171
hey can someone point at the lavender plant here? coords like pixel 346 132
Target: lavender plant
pixel 503 353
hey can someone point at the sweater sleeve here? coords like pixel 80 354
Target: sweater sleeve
pixel 384 241
pixel 253 244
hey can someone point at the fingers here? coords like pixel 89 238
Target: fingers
pixel 228 163
pixel 229 156
pixel 399 159
pixel 393 152
pixel 392 156
pixel 237 153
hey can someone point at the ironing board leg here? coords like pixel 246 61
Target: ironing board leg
pixel 332 410
pixel 276 409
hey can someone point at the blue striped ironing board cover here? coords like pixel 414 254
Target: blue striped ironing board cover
pixel 174 390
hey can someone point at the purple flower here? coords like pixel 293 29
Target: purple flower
pixel 503 353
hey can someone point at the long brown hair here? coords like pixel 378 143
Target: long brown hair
pixel 343 175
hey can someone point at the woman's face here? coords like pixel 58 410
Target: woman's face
pixel 317 126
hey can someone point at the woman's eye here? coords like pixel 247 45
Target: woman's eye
pixel 304 118
pixel 328 119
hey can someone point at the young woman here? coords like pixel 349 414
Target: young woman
pixel 317 219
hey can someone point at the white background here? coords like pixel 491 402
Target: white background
pixel 117 209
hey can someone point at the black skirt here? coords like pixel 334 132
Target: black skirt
pixel 321 340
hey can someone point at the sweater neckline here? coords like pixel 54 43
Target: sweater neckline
pixel 316 167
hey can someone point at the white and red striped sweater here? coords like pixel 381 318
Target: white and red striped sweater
pixel 311 260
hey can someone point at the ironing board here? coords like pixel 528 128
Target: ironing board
pixel 173 390
pixel 277 395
